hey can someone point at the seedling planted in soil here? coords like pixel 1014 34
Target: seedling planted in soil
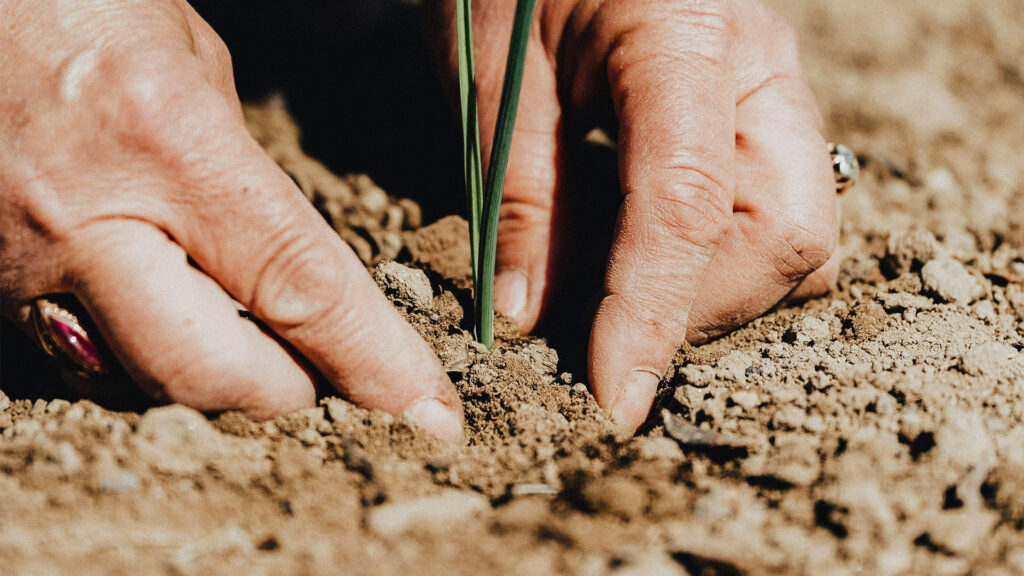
pixel 484 198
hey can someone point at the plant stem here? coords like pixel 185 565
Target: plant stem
pixel 484 297
pixel 470 129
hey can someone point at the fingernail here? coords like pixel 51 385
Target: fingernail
pixel 510 288
pixel 635 397
pixel 434 417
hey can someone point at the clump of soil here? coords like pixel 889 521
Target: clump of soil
pixel 878 430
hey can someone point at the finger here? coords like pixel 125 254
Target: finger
pixel 817 283
pixel 253 230
pixel 786 224
pixel 210 48
pixel 175 331
pixel 524 250
pixel 672 88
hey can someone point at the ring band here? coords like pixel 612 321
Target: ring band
pixel 845 166
pixel 63 337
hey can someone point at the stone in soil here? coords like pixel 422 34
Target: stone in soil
pixel 950 281
pixel 989 359
pixel 177 440
pixel 446 510
pixel 404 284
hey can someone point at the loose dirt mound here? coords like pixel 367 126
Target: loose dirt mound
pixel 879 430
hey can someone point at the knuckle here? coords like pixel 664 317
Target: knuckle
pixel 143 92
pixel 30 209
pixel 636 66
pixel 297 284
pixel 644 313
pixel 215 53
pixel 776 25
pixel 638 31
pixel 695 208
pixel 712 15
pixel 160 109
pixel 523 214
pixel 219 54
pixel 718 19
pixel 783 37
pixel 801 247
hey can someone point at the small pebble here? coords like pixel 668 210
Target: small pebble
pixel 789 418
pixel 950 281
pixel 408 285
pixel 815 424
pixel 653 563
pixel 966 451
pixel 746 399
pixel 961 531
pixel 808 332
pixel 534 490
pixel 941 180
pixel 990 358
pixel 735 365
pixel 121 482
pixel 373 199
pixel 75 413
pixel 57 406
pixel 698 376
pixel 447 509
pixel 906 250
pixel 986 311
pixel 793 465
pixel 66 458
pixel 177 440
pixel 659 448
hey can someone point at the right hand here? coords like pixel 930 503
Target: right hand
pixel 125 153
pixel 728 201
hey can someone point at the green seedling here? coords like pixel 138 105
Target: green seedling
pixel 484 198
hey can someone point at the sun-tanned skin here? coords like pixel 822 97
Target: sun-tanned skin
pixel 729 202
pixel 124 152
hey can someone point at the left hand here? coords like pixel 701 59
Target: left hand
pixel 128 179
pixel 729 202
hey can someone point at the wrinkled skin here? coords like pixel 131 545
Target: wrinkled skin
pixel 124 151
pixel 129 180
pixel 729 202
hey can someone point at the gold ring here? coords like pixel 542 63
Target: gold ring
pixel 63 336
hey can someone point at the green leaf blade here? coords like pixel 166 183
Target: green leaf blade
pixel 497 166
pixel 472 162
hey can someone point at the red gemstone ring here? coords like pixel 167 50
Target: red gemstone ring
pixel 63 337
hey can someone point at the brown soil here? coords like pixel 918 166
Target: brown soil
pixel 879 430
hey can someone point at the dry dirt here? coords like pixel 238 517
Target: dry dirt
pixel 879 430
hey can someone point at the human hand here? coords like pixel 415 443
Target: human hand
pixel 125 154
pixel 728 196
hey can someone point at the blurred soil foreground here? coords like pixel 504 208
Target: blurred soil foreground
pixel 878 430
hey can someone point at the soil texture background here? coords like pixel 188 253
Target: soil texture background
pixel 878 430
